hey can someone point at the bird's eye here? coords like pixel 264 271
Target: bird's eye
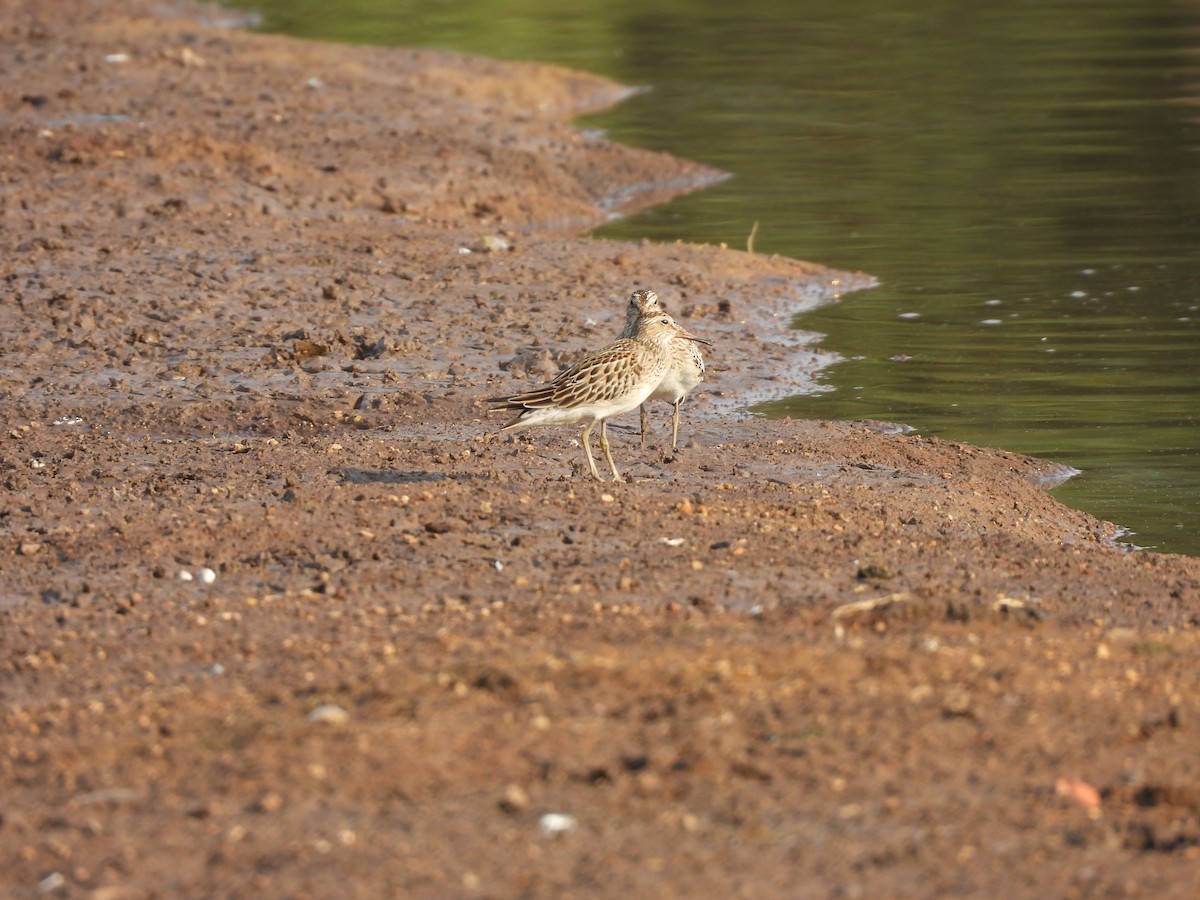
pixel 665 321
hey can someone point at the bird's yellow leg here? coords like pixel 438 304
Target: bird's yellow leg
pixel 608 451
pixel 587 447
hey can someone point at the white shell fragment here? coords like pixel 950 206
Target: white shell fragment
pixel 554 824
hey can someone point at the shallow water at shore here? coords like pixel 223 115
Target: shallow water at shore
pixel 1022 180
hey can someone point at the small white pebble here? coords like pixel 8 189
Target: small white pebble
pixel 314 83
pixel 497 565
pixel 554 824
pixel 329 714
pixel 117 58
pixel 52 882
pixel 36 463
pixel 672 542
pixel 217 669
pixel 206 575
pixel 184 575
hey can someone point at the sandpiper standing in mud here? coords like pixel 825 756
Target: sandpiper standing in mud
pixel 686 369
pixel 606 383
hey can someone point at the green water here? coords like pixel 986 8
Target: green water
pixel 1024 179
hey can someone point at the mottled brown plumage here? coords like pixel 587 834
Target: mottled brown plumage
pixel 606 383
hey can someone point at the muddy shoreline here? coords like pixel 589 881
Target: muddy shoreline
pixel 282 614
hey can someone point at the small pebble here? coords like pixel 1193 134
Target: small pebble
pixel 515 799
pixel 184 575
pixel 206 575
pixel 492 243
pixel 554 824
pixel 329 714
pixel 52 882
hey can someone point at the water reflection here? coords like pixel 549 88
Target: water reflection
pixel 1022 177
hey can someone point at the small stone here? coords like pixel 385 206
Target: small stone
pixel 329 714
pixel 52 882
pixel 515 799
pixel 956 703
pixel 206 575
pixel 29 548
pixel 553 825
pixel 491 243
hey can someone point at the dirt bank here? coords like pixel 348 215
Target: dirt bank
pixel 281 615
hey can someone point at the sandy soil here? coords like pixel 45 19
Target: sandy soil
pixel 254 293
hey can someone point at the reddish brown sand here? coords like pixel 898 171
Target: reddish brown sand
pixel 794 659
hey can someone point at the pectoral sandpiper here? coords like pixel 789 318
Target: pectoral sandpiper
pixel 603 384
pixel 684 373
